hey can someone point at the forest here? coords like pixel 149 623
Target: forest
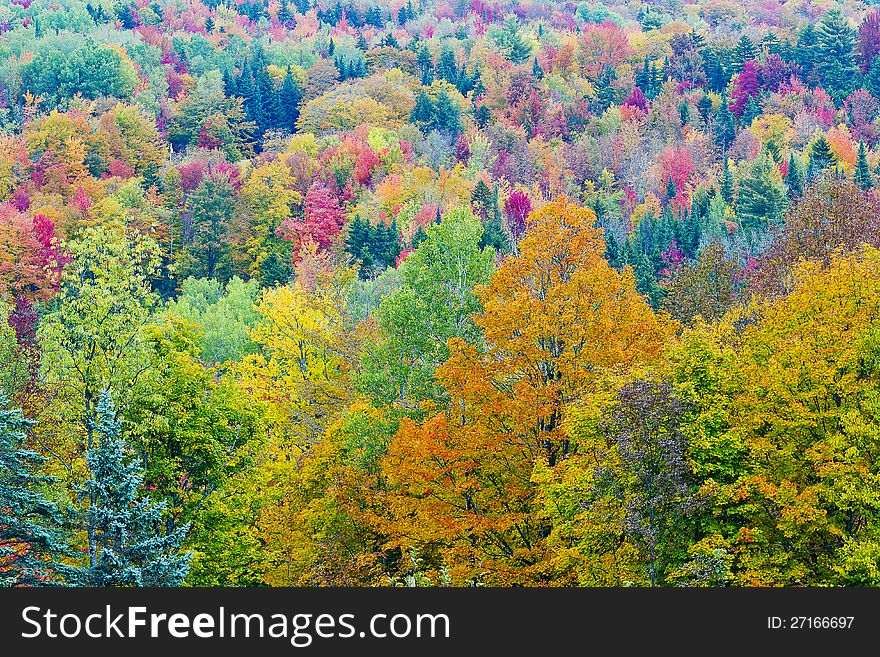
pixel 456 293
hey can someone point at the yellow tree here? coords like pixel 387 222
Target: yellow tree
pixel 557 321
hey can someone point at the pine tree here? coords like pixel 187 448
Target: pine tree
pixel 821 155
pixel 447 69
pixel 671 191
pixel 726 129
pixel 744 52
pixel 761 200
pixel 128 544
pixel 704 106
pixel 31 539
pixel 448 116
pixel 806 53
pixel 537 71
pixel 752 111
pixel 872 80
pixel 331 48
pixel 794 181
pixel 863 170
pixel 727 188
pixel 837 65
pixel 289 99
pixel 425 65
pixel 423 114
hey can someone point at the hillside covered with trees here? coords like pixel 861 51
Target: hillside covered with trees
pixel 465 293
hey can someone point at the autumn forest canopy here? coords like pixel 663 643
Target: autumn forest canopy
pixel 416 293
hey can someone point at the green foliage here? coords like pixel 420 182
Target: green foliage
pixel 434 302
pixel 223 315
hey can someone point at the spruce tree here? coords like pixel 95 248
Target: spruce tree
pixel 744 52
pixel 425 64
pixel 727 187
pixel 806 52
pixel 704 106
pixel 821 155
pixel 448 116
pixel 537 71
pixel 761 200
pixel 128 541
pixel 838 70
pixel 863 170
pixel 423 114
pixel 794 181
pixel 447 69
pixel 726 129
pixel 289 98
pixel 31 538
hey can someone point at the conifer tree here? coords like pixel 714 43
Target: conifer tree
pixel 727 188
pixel 31 539
pixel 863 170
pixel 726 130
pixel 821 155
pixel 837 65
pixel 794 181
pixel 128 544
pixel 290 97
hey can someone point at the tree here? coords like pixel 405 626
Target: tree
pixel 516 49
pixel 761 200
pixel 32 542
pixel 448 116
pixel 794 180
pixel 289 99
pixel 127 543
pixel 821 155
pixel 435 302
pixel 463 482
pixel 323 218
pixel 211 209
pixel 837 66
pixel 424 113
pixel 707 288
pixel 862 176
pixel 651 472
pixel 725 131
pixel 94 336
pixel 833 215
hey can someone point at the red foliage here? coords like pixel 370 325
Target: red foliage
pixel 322 221
pixel 746 86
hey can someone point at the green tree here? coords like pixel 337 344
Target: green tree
pixel 838 70
pixel 32 542
pixel 761 200
pixel 434 302
pixel 127 542
pixel 863 176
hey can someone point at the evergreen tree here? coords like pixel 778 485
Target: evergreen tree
pixel 485 202
pixel 727 187
pixel 425 65
pixel 863 170
pixel 447 69
pixel 289 99
pixel 807 53
pixel 726 129
pixel 838 70
pixel 752 110
pixel 704 106
pixel 794 181
pixel 671 191
pixel 362 42
pixel 821 155
pixel 482 116
pixel 424 113
pixel 448 116
pixel 331 48
pixel 761 200
pixel 744 52
pixel 537 71
pixel 128 541
pixel 31 539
